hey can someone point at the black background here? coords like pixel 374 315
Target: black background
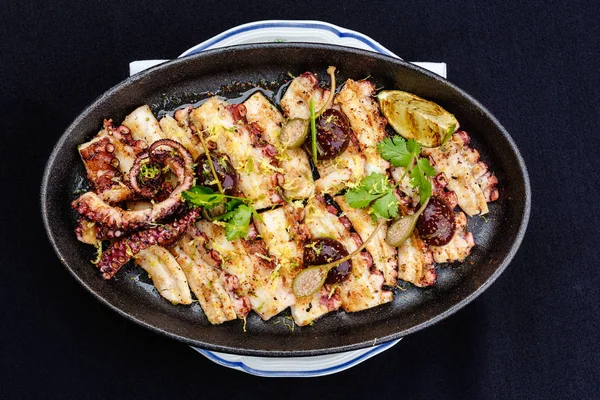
pixel 533 334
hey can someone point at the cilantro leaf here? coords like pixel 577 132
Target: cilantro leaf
pixel 237 225
pixel 374 181
pixel 415 178
pixel 386 206
pixel 402 153
pixel 370 188
pixel 419 180
pixel 201 196
pixel 413 147
pixel 225 217
pixel 425 190
pixel 360 198
pixel 394 150
pixel 375 191
pixel 425 166
pixel 233 203
pixel 237 214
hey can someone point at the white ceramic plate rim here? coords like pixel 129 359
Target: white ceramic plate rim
pixel 295 367
pixel 290 31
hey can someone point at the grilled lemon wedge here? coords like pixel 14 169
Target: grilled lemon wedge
pixel 416 118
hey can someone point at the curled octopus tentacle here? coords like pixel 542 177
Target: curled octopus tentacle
pixel 92 207
pixel 121 251
pixel 175 163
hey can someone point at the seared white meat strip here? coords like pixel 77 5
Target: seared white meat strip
pixel 415 262
pixel 225 128
pixel 384 256
pixel 295 101
pixel 297 175
pixel 459 246
pixel 166 274
pixel 144 125
pixel 250 263
pixel 178 129
pixel 466 175
pixel 364 287
pixel 356 101
pixel 346 169
pixel 307 309
pixel 285 233
pixel 217 291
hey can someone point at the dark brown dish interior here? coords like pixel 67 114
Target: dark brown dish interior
pixel 188 80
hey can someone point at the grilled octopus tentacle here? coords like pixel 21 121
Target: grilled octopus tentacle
pixel 122 250
pixel 91 206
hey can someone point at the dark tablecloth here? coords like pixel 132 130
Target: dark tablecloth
pixel 532 335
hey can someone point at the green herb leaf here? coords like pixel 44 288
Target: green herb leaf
pixel 426 167
pixel 360 198
pixel 376 190
pixel 395 151
pixel 237 224
pixel 313 129
pixel 233 203
pixel 413 147
pixel 419 180
pixel 201 196
pixel 237 217
pixel 402 153
pixel 370 188
pixel 386 206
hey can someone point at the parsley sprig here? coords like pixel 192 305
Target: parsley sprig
pixel 402 153
pixel 238 213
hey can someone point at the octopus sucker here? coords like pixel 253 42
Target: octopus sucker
pixel 121 251
pixel 94 208
pixel 107 159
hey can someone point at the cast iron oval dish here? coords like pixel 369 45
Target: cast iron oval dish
pixel 187 80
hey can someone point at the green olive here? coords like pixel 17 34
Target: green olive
pixel 400 230
pixel 212 213
pixel 294 133
pixel 309 280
